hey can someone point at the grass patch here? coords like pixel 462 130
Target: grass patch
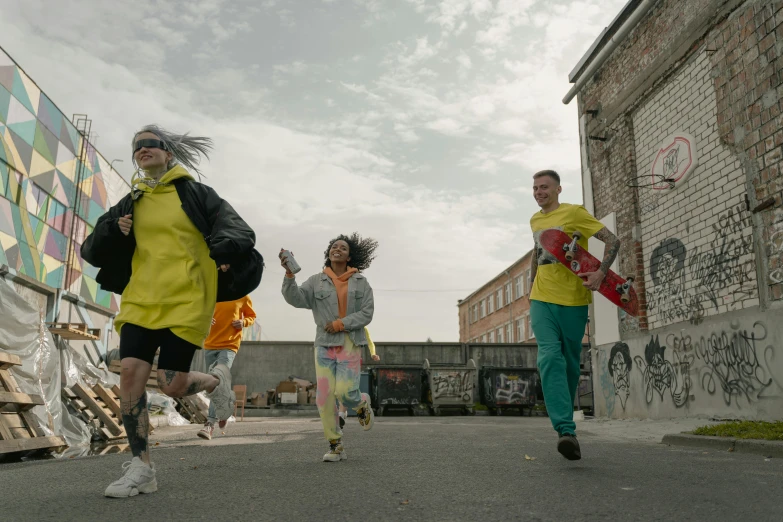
pixel 744 430
pixel 479 407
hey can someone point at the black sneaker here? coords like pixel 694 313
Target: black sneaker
pixel 568 447
pixel 342 421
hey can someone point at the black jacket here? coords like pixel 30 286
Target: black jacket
pixel 229 238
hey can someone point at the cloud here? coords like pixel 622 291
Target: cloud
pixel 421 133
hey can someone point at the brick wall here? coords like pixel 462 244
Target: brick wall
pixel 697 238
pixel 499 318
pixel 747 67
pixel 711 68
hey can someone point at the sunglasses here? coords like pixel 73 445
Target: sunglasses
pixel 149 144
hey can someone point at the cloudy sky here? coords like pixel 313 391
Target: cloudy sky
pixel 416 122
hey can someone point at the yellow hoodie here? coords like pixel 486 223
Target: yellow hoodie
pixel 174 281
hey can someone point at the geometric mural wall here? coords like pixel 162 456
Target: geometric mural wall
pixel 41 157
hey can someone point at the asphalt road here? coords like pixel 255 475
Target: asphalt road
pixel 418 468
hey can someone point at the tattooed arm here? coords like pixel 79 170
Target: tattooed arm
pixel 593 279
pixel 611 249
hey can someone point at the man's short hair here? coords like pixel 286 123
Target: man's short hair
pixel 551 173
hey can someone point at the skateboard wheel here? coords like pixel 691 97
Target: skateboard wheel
pixel 569 256
pixel 625 298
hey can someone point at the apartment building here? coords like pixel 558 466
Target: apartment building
pixel 499 311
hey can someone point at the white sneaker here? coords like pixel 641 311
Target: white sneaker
pixel 336 452
pixel 223 396
pixel 138 478
pixel 364 412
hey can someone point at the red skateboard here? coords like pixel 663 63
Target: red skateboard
pixel 618 290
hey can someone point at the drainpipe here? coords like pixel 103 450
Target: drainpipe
pixel 610 46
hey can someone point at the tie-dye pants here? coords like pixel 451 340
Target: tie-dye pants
pixel 338 372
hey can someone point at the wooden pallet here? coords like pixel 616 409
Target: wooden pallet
pixel 99 403
pixel 19 428
pixel 189 409
pixel 78 331
pixel 152 383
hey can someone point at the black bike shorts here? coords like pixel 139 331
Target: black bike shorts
pixel 176 354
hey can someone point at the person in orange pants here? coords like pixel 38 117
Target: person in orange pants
pixel 222 344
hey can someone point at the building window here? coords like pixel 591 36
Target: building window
pixel 532 333
pixel 490 308
pixel 483 309
pixel 509 333
pixel 484 338
pixel 474 313
pixel 492 337
pixel 529 282
pixel 499 335
pixel 520 288
pixel 521 330
pixel 508 293
pixel 499 300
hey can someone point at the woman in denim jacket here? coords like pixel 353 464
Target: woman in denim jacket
pixel 342 303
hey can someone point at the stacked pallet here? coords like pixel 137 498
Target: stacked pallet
pixel 75 331
pixel 98 407
pixel 115 366
pixel 190 408
pixel 19 428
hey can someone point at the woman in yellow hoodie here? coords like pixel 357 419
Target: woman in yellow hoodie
pixel 163 247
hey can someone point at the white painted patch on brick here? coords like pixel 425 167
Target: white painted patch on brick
pixel 697 239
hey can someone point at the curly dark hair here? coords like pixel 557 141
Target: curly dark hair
pixel 361 250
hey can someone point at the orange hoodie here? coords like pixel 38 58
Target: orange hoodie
pixel 341 285
pixel 223 335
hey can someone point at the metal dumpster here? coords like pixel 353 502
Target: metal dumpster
pixel 508 388
pixel 451 386
pixel 396 386
pixel 364 387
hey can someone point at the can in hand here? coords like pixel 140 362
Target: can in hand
pixel 290 262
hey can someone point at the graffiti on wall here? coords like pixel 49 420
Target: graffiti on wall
pixel 735 363
pixel 619 367
pixel 455 385
pixel 687 284
pixel 669 297
pixel 664 373
pixel 515 388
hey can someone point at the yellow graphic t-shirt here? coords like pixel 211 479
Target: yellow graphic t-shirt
pixel 554 282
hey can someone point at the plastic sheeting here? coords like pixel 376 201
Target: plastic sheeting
pixel 23 333
pixel 160 404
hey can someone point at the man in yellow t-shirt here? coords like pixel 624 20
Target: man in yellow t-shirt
pixel 222 344
pixel 558 304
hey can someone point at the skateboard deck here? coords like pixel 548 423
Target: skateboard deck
pixel 617 289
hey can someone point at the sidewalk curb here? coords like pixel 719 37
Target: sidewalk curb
pixel 768 448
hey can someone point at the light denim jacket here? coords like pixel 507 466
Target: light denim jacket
pixel 319 295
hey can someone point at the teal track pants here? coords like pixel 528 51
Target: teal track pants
pixel 559 331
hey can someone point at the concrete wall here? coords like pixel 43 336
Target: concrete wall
pixel 707 266
pixel 724 367
pixel 262 365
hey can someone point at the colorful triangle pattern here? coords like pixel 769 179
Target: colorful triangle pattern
pixel 40 144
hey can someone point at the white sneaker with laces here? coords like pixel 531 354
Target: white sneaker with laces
pixel 223 396
pixel 138 478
